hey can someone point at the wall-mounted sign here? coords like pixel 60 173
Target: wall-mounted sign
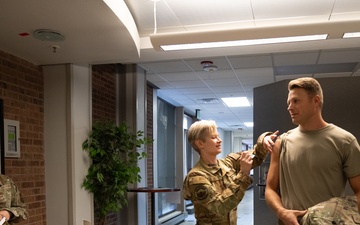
pixel 12 138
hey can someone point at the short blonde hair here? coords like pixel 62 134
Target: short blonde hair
pixel 199 130
pixel 310 85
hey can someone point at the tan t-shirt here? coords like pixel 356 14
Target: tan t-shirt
pixel 315 165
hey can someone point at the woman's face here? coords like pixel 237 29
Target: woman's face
pixel 211 144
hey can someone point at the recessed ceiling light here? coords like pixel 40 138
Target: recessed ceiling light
pixel 249 124
pixel 236 101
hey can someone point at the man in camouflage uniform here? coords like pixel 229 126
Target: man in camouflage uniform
pixel 216 187
pixel 336 211
pixel 12 206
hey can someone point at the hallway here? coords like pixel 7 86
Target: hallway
pixel 245 211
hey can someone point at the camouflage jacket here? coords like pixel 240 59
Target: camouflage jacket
pixel 216 190
pixel 10 200
pixel 337 211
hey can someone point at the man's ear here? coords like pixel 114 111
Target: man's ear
pixel 317 99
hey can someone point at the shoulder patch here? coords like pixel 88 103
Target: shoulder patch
pixel 201 192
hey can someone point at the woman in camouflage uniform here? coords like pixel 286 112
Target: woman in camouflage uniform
pixel 214 186
pixel 12 206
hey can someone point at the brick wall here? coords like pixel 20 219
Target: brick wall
pixel 22 91
pixel 104 106
pixel 103 92
pixel 149 149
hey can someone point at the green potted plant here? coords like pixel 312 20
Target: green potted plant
pixel 113 150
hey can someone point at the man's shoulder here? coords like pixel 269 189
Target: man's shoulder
pixel 289 132
pixel 340 133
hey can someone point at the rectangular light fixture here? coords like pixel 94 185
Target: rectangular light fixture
pixel 237 43
pixel 351 35
pixel 249 124
pixel 211 39
pixel 236 101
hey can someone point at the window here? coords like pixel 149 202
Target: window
pixel 165 154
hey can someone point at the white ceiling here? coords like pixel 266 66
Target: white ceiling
pixel 95 35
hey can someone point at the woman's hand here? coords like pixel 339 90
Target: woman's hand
pixel 268 142
pixel 246 162
pixel 5 214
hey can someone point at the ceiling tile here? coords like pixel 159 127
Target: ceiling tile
pixel 205 12
pixel 165 67
pixel 250 61
pixel 219 74
pixel 291 77
pixel 222 82
pixel 339 56
pixel 187 84
pixel 254 73
pixel 190 91
pixel 259 81
pixel 170 92
pixel 264 9
pixel 183 76
pixel 230 90
pixel 312 69
pixel 324 75
pixel 302 58
pixel 186 102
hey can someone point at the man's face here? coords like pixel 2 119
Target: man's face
pixel 301 106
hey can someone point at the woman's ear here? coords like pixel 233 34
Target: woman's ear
pixel 198 143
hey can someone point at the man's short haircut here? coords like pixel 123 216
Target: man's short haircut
pixel 310 85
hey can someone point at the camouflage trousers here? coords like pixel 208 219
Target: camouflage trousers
pixel 336 211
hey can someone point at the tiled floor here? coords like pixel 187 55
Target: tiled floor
pixel 245 211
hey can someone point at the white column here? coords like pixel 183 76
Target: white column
pixel 132 109
pixel 67 107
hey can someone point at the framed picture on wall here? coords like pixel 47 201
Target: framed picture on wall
pixel 12 138
pixel 2 163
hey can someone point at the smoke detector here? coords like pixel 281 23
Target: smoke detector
pixel 208 66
